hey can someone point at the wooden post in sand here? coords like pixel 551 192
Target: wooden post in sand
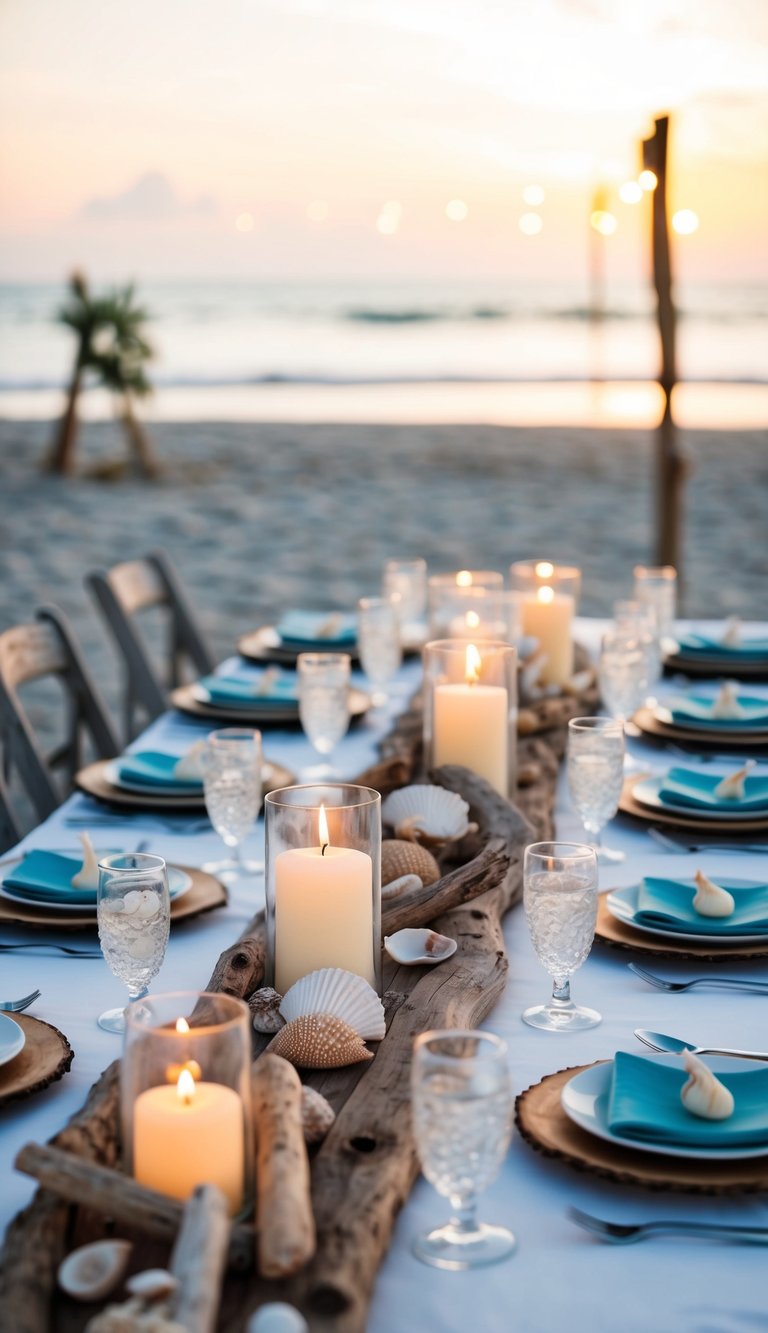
pixel 671 460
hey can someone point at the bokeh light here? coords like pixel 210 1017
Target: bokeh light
pixel 603 222
pixel 530 224
pixel 685 222
pixel 631 192
pixel 647 180
pixel 389 218
pixel 456 210
pixel 244 222
pixel 533 195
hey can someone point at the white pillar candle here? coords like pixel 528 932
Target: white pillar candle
pixel 471 725
pixel 323 911
pixel 188 1134
pixel 548 617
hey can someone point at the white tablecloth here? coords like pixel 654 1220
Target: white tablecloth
pixel 560 1277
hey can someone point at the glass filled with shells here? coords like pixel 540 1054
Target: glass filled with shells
pixel 323 882
pixel 185 1101
pixel 470 709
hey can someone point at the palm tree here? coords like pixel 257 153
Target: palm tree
pixel 110 345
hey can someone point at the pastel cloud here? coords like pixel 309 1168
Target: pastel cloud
pixel 151 198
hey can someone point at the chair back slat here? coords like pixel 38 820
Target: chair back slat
pixel 30 651
pixel 137 586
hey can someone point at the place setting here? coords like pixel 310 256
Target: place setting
pixel 268 696
pixel 727 720
pixel 685 798
pixel 717 919
pixel 736 650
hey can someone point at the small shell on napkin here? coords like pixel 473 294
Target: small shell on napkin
pixel 190 767
pixel 267 680
pixel 87 876
pixel 704 1095
pixel 732 635
pixel 732 787
pixel 726 706
pixel 710 899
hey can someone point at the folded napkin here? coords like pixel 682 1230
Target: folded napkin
pixel 684 786
pixel 668 903
pixel 155 769
pixel 644 1103
pixel 46 877
pixel 751 648
pixel 317 630
pixel 698 708
pixel 265 690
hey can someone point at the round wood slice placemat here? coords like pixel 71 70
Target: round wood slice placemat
pixel 650 725
pixel 715 666
pixel 93 781
pixel 184 699
pixel 546 1128
pixel 46 1057
pixel 628 805
pixel 620 935
pixel 205 894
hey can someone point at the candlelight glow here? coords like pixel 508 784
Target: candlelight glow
pixel 182 1025
pixel 647 180
pixel 530 224
pixel 603 222
pixel 456 210
pixel 533 195
pixel 473 665
pixel 544 569
pixel 546 595
pixel 464 579
pixel 685 222
pixel 472 620
pixel 322 824
pixel 186 1087
pixel 631 192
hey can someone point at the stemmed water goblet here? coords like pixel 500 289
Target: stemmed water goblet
pixel 638 620
pixel 379 642
pixel 596 776
pixel 232 762
pixel 560 897
pixel 462 1118
pixel 657 586
pixel 408 579
pixel 133 912
pixel 323 706
pixel 624 671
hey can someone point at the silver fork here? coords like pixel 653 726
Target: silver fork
pixel 618 1233
pixel 727 983
pixel 673 845
pixel 56 948
pixel 17 1006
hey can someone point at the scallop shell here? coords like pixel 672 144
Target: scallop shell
pixel 426 814
pixel 407 858
pixel 317 1115
pixel 265 1004
pixel 319 1041
pixel 94 1270
pixel 154 1284
pixel 340 994
pixel 413 947
pixel 398 887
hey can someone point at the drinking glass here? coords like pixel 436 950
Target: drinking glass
pixel 133 911
pixel 639 619
pixel 379 643
pixel 323 705
pixel 408 579
pixel 462 1117
pixel 596 775
pixel 657 585
pixel 560 897
pixel 624 672
pixel 232 785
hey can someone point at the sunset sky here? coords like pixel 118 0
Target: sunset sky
pixel 325 138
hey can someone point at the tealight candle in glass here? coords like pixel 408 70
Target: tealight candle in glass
pixel 185 1095
pixel 470 709
pixel 550 595
pixel 323 858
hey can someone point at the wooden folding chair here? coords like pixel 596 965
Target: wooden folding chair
pixel 122 594
pixel 29 652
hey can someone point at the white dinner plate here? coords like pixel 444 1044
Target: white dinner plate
pixel 622 904
pixel 738 727
pixel 179 883
pixel 646 791
pixel 585 1101
pixel 12 1039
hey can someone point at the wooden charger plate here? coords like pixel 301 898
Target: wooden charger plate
pixel 620 935
pixel 546 1128
pixel 628 805
pixel 205 894
pixel 46 1057
pixel 184 699
pixel 650 725
pixel 717 666
pixel 93 781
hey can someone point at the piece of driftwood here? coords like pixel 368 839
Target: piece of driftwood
pixel 285 1225
pixel 198 1260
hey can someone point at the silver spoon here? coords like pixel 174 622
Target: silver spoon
pixel 624 1233
pixel 674 1046
pixel 727 983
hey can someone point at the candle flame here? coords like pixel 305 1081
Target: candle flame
pixel 464 579
pixel 322 824
pixel 473 663
pixel 186 1087
pixel 544 569
pixel 182 1025
pixel 472 620
pixel 546 595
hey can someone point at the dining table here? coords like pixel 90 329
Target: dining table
pixel 560 1277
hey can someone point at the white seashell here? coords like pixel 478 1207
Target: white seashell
pixel 704 1095
pixel 317 1115
pixel 94 1270
pixel 530 677
pixel 727 705
pixel 264 1004
pixel 190 767
pixel 711 899
pixel 732 787
pixel 149 904
pixel 732 636
pixel 266 681
pixel 342 994
pixel 579 682
pixel 431 815
pixel 397 887
pixel 277 1317
pixel 142 947
pixel 154 1284
pixel 413 947
pixel 131 902
pixel 87 877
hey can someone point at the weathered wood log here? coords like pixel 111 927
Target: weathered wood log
pixel 422 905
pixel 118 1197
pixel 199 1259
pixel 240 969
pixel 285 1225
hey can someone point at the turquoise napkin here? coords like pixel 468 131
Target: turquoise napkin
pixel 46 877
pixel 669 903
pixel 312 631
pixel 241 691
pixel 644 1103
pixel 684 786
pixel 750 649
pixel 698 708
pixel 155 769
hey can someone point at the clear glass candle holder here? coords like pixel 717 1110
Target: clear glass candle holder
pixel 470 709
pixel 185 1100
pixel 550 598
pixel 528 576
pixel 476 613
pixel 444 596
pixel 656 585
pixel 323 859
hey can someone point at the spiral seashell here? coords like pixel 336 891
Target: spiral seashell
pixel 87 877
pixel 711 899
pixel 732 787
pixel 264 1005
pixel 727 705
pixel 427 814
pixel 319 1041
pixel 94 1270
pixel 317 1115
pixel 340 994
pixel 704 1095
pixel 407 858
pixel 396 888
pixel 732 636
